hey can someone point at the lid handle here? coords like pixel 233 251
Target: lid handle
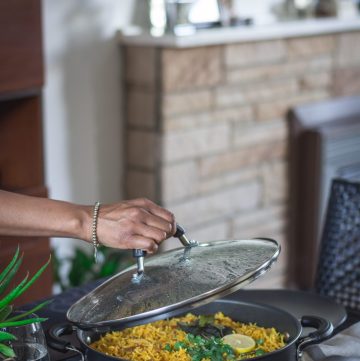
pixel 180 233
pixel 139 254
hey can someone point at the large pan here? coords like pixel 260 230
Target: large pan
pixel 262 315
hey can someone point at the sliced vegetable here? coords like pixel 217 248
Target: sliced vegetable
pixel 240 343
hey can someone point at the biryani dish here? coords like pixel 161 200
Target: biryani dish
pixel 191 338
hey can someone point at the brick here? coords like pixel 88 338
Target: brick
pixel 142 149
pixel 140 66
pixel 213 231
pixel 230 96
pixel 346 81
pixel 262 222
pixel 348 50
pixel 239 158
pixel 278 109
pixel 188 102
pixel 275 182
pixel 188 121
pixel 255 53
pixel 178 181
pixel 314 81
pixel 191 68
pixel 272 72
pixel 310 46
pixel 240 115
pixel 141 109
pixel 218 205
pixel 194 143
pixel 235 95
pixel 276 131
pixel 230 179
pixel 140 184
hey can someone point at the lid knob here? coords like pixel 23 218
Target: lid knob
pixel 180 233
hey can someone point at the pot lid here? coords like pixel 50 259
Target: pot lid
pixel 175 281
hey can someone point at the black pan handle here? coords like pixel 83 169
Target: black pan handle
pixel 324 330
pixel 54 337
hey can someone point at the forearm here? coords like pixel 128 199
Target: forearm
pixel 33 216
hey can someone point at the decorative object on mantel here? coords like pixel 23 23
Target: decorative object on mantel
pixel 299 9
pixel 348 9
pixel 326 8
pixel 178 17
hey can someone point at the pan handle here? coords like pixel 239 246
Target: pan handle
pixel 324 329
pixel 55 341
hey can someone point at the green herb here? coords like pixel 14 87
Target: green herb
pixel 199 348
pixel 259 352
pixel 6 307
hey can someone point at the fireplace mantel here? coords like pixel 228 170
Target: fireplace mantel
pixel 205 119
pixel 228 35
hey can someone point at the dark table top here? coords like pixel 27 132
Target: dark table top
pixel 298 303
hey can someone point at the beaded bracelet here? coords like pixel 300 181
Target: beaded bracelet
pixel 94 237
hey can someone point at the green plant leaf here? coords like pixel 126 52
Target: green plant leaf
pixel 7 279
pixel 6 336
pixel 5 312
pixel 34 278
pixel 22 322
pixel 10 265
pixel 14 293
pixel 108 268
pixel 6 351
pixel 81 266
pixel 27 313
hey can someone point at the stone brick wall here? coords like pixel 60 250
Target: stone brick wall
pixel 207 134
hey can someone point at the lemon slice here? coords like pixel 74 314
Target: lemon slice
pixel 239 343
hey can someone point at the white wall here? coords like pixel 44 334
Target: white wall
pixel 82 100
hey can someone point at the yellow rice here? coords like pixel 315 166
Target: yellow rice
pixel 147 342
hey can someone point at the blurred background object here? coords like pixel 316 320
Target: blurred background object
pixel 326 8
pixel 178 17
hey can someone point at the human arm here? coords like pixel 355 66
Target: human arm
pixel 137 223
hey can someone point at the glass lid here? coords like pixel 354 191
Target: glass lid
pixel 174 281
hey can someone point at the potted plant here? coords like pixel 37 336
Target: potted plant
pixel 7 319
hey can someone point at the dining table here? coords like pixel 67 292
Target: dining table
pixel 296 302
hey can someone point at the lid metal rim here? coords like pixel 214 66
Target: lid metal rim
pixel 189 303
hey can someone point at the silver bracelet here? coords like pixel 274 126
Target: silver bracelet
pixel 94 237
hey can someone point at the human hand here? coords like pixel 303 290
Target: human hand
pixel 134 224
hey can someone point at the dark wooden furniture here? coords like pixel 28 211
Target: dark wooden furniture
pixel 21 134
pixel 324 144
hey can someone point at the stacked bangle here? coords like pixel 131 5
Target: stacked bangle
pixel 94 237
